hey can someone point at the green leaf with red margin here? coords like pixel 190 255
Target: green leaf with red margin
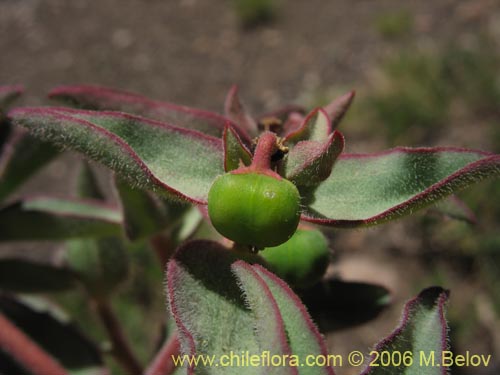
pixel 28 276
pixel 369 189
pixel 236 112
pixel 20 154
pixel 21 157
pixel 235 152
pixel 177 162
pixel 301 333
pixel 308 163
pixel 338 108
pixel 53 331
pixel 421 336
pixel 143 213
pixel 207 305
pixel 40 218
pixel 269 322
pixel 103 98
pixel 315 127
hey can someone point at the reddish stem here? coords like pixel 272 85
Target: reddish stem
pixel 163 363
pixel 266 147
pixel 121 348
pixel 26 352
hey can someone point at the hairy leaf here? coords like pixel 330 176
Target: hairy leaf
pixel 209 311
pixel 144 214
pixel 422 335
pixel 53 219
pixel 303 336
pixel 337 108
pixel 21 157
pixel 310 162
pixel 26 276
pixel 270 326
pixel 179 162
pixel 100 264
pixel 315 127
pixel 368 189
pixel 236 112
pixel 103 98
pixel 235 152
pixel 52 331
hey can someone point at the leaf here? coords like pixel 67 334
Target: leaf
pixel 203 294
pixel 303 336
pixel 54 219
pixel 52 331
pixel 236 112
pixel 100 264
pixel 178 162
pixel 454 208
pixel 88 185
pixel 422 334
pixel 310 162
pixel 269 323
pixel 21 156
pixel 103 98
pixel 283 113
pixel 8 94
pixel 315 127
pixel 369 189
pixel 144 214
pixel 27 276
pixel 235 152
pixel 337 108
pixel 336 304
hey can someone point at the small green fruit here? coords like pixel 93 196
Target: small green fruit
pixel 254 209
pixel 302 260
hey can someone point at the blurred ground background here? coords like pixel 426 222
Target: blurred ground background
pixel 425 72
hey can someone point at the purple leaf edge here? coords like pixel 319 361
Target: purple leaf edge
pixel 95 91
pixel 489 160
pixel 229 128
pixel 300 306
pixel 285 347
pixel 409 306
pixel 334 137
pixel 304 126
pixel 66 114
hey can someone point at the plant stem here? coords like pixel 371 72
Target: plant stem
pixel 163 363
pixel 266 147
pixel 26 352
pixel 121 348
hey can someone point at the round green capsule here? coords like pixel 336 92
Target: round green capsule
pixel 302 260
pixel 254 209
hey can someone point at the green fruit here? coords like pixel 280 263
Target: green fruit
pixel 254 209
pixel 302 260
